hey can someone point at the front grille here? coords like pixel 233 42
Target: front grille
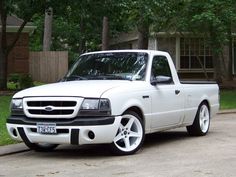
pixel 55 112
pixel 52 103
pixel 51 107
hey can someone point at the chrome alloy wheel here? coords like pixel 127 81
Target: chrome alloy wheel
pixel 130 134
pixel 201 122
pixel 204 118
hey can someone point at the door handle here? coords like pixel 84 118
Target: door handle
pixel 177 92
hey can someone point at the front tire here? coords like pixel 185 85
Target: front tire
pixel 201 122
pixel 130 135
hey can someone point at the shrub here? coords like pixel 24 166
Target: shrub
pixel 25 81
pixel 13 80
pixel 14 77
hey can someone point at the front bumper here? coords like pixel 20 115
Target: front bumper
pixel 74 131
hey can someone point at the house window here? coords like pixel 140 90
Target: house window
pixel 193 53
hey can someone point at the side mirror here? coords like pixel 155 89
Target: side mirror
pixel 161 80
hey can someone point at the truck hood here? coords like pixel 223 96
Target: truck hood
pixel 88 88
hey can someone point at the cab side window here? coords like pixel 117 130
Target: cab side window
pixel 160 67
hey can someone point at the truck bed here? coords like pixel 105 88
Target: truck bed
pixel 197 82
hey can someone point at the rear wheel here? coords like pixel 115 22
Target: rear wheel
pixel 201 122
pixel 130 135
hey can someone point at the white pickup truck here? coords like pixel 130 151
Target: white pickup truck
pixel 112 97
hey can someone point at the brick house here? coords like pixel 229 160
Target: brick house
pixel 18 59
pixel 186 51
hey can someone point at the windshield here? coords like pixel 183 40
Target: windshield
pixel 110 66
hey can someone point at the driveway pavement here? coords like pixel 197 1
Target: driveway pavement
pixel 172 154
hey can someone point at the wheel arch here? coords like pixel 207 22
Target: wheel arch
pixel 207 104
pixel 196 129
pixel 137 110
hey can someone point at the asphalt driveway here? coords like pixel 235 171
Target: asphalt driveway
pixel 171 154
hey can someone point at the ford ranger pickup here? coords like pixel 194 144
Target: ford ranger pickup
pixel 112 97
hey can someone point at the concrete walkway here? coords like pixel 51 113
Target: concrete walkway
pixel 228 111
pixel 21 147
pixel 13 148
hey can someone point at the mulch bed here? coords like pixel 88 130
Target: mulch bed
pixel 228 85
pixel 7 92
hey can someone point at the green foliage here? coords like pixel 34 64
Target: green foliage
pixel 15 77
pixel 227 99
pixel 214 20
pixel 25 81
pixel 12 86
pixel 24 9
pixel 205 16
pixel 13 81
pixel 36 83
pixel 36 39
pixel 77 25
pixel 19 81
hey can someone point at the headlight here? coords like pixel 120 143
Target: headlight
pixel 95 107
pixel 16 107
pixel 16 104
pixel 90 104
pixel 104 104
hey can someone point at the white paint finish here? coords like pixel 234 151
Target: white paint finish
pixel 160 106
pixel 101 134
pixel 89 88
pixel 167 106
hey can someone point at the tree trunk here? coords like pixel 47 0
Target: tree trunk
pixel 105 34
pixel 7 46
pixel 47 29
pixel 217 68
pixel 216 50
pixel 3 49
pixel 143 34
pixel 3 71
pixel 230 62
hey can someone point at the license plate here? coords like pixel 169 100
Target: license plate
pixel 46 128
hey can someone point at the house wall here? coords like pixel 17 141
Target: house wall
pixel 171 44
pixel 125 45
pixel 18 59
pixel 167 44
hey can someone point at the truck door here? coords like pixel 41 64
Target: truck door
pixel 167 97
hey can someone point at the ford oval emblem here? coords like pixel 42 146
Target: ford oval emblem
pixel 48 108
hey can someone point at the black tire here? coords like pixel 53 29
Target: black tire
pixel 41 147
pixel 201 124
pixel 130 135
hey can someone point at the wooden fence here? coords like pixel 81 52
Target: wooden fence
pixel 49 66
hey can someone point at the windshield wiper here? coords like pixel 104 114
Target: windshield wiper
pixel 73 78
pixel 107 77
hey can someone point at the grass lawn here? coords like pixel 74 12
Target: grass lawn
pixel 227 101
pixel 4 113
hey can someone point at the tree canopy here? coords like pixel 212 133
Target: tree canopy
pixel 215 20
pixel 77 25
